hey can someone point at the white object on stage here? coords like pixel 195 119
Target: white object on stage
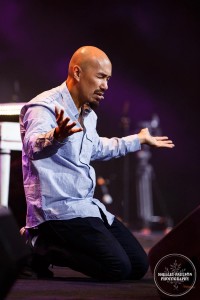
pixel 9 140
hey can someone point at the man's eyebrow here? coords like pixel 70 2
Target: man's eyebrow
pixel 103 74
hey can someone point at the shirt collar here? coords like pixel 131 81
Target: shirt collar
pixel 68 102
pixel 86 108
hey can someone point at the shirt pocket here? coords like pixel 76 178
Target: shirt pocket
pixel 75 137
pixel 71 149
pixel 86 148
pixel 90 135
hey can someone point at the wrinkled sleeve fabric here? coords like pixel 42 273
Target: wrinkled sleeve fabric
pixel 108 148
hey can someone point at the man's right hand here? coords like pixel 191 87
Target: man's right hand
pixel 64 129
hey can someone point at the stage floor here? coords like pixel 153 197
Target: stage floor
pixel 71 285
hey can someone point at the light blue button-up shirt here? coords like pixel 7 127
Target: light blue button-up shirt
pixel 59 181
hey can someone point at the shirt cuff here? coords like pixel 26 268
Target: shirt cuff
pixel 133 143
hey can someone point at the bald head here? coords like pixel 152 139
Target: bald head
pixel 89 72
pixel 87 56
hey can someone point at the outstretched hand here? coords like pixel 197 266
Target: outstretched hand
pixel 64 128
pixel 158 141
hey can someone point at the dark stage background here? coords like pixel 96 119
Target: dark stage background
pixel 154 48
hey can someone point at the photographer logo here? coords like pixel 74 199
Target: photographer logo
pixel 175 275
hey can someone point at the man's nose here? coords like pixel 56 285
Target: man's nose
pixel 104 85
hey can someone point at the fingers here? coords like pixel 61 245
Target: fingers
pixel 64 122
pixel 56 111
pixel 64 129
pixel 69 126
pixel 163 141
pixel 167 144
pixel 59 118
pixel 75 130
pixel 68 129
pixel 59 115
pixel 161 138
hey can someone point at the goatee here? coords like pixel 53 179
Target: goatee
pixel 94 105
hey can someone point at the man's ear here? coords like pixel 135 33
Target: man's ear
pixel 77 72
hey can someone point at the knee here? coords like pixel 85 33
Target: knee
pixel 140 268
pixel 119 271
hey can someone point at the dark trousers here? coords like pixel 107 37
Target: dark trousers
pixel 95 248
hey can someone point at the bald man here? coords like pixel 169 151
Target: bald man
pixel 65 224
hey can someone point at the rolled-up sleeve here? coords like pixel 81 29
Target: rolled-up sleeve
pixel 37 131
